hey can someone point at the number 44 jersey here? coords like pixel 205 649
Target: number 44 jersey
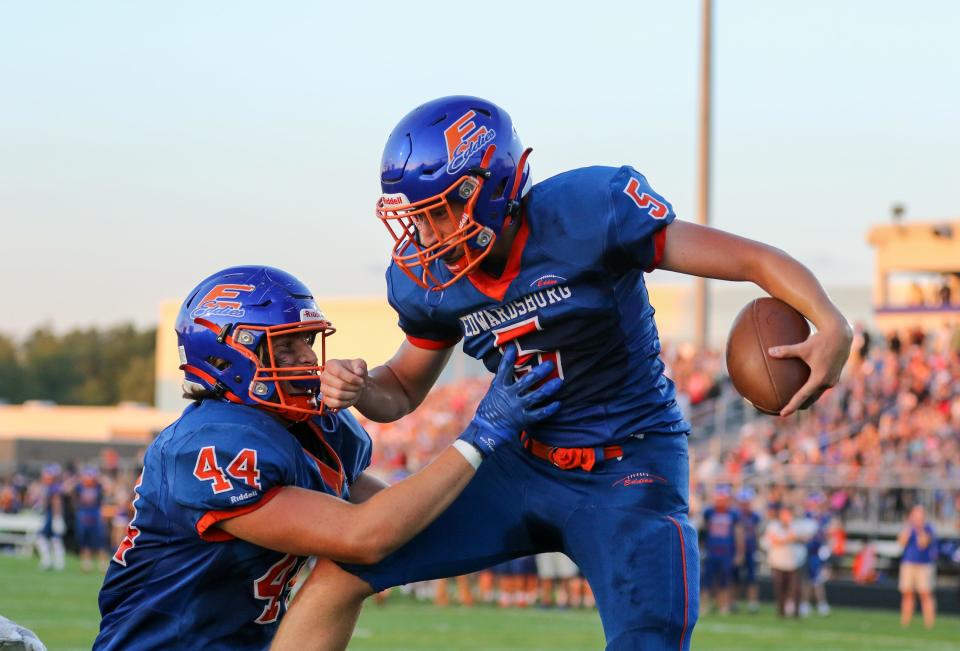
pixel 177 581
pixel 572 291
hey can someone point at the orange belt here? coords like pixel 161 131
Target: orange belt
pixel 570 458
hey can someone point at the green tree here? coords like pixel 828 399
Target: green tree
pixel 49 371
pixel 11 372
pixel 83 367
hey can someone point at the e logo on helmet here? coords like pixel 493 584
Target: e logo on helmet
pixel 217 302
pixel 464 138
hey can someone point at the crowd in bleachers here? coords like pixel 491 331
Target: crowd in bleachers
pixel 889 429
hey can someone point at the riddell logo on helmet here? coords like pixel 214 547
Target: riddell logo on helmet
pixel 464 139
pixel 393 200
pixel 217 303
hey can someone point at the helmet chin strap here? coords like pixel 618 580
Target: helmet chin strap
pixel 513 206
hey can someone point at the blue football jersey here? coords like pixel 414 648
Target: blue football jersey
pixel 720 528
pixel 48 495
pixel 750 523
pixel 177 581
pixel 88 500
pixel 573 292
pixel 819 539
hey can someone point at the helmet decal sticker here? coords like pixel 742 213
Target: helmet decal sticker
pixel 216 302
pixel 464 139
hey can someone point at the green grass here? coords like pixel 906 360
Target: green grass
pixel 62 609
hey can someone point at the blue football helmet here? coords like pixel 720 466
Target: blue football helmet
pixel 456 148
pixel 227 329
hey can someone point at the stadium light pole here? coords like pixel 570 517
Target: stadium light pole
pixel 700 294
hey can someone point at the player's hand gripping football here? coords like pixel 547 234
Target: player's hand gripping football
pixel 825 352
pixel 509 407
pixel 343 380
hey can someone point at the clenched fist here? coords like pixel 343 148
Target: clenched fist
pixel 343 382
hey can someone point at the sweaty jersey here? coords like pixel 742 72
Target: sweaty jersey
pixel 573 292
pixel 179 582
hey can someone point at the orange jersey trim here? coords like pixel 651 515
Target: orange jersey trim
pixel 208 532
pixel 332 477
pixel 496 288
pixel 432 344
pixel 659 244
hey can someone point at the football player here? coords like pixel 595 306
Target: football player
pixel 723 540
pixel 554 272
pixel 256 475
pixel 746 571
pixel 88 501
pixel 818 552
pixel 50 537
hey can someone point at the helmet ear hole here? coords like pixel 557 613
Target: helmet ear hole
pixel 500 189
pixel 218 363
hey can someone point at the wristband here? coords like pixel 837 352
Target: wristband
pixel 469 452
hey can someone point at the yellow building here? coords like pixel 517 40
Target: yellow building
pixel 916 274
pixel 36 432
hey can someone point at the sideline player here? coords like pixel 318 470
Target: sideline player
pixel 723 541
pixel 50 537
pixel 818 551
pixel 746 571
pixel 249 480
pixel 88 501
pixel 553 271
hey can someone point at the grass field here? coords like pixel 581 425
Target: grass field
pixel 62 609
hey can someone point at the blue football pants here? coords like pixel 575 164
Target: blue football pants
pixel 624 524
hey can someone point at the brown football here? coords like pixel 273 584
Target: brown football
pixel 766 382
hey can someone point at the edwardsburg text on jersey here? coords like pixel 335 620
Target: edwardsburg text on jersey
pixel 483 320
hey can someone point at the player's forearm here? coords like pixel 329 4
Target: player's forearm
pixel 711 253
pixel 310 523
pixel 787 279
pixel 365 487
pixel 384 398
pixel 397 387
pixel 395 515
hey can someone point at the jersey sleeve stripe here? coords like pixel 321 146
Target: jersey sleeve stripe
pixel 432 344
pixel 659 243
pixel 208 532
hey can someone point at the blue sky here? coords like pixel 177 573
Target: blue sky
pixel 144 145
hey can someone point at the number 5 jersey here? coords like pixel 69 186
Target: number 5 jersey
pixel 572 291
